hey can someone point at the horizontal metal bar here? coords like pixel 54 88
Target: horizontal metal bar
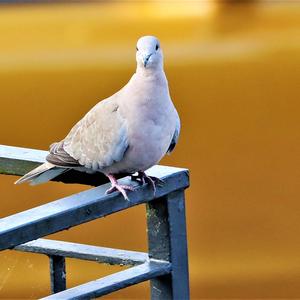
pixel 19 161
pixel 86 252
pixel 26 154
pixel 115 281
pixel 85 206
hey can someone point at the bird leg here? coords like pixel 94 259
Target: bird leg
pixel 115 186
pixel 143 178
pixel 139 178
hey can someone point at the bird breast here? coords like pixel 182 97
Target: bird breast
pixel 151 121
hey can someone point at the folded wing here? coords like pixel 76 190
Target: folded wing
pixel 96 141
pixel 175 136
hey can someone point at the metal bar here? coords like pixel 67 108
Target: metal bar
pixel 159 245
pixel 178 243
pixel 22 154
pixel 166 229
pixel 114 282
pixel 167 240
pixel 86 252
pixel 83 207
pixel 19 161
pixel 57 273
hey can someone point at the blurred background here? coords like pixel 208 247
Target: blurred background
pixel 233 70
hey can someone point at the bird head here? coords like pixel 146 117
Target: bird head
pixel 148 53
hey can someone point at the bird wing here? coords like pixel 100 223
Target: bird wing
pixel 98 140
pixel 59 157
pixel 175 135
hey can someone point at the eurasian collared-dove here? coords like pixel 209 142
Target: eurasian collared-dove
pixel 126 133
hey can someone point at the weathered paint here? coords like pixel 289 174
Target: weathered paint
pixel 166 266
pixel 114 282
pixel 86 252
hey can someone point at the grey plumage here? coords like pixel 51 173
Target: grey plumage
pixel 125 133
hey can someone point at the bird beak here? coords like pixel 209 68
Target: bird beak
pixel 146 59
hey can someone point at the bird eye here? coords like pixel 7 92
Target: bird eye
pixel 156 48
pixel 137 49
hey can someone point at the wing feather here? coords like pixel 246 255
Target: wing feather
pixel 100 138
pixel 175 136
pixel 59 157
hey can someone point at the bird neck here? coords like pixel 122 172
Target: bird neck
pixel 152 76
pixel 150 72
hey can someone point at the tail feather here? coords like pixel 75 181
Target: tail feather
pixel 41 174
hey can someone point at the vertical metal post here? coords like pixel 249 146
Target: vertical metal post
pixel 57 273
pixel 179 252
pixel 159 245
pixel 167 241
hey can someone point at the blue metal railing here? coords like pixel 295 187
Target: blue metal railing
pixel 166 264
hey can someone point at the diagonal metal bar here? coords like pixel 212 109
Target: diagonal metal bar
pixel 86 252
pixel 115 281
pixel 86 206
pixel 83 207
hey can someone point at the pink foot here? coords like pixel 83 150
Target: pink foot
pixel 115 186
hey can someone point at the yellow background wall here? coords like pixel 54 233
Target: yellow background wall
pixel 233 71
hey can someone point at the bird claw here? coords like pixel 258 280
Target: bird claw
pixel 143 178
pixel 157 181
pixel 138 178
pixel 115 186
pixel 121 188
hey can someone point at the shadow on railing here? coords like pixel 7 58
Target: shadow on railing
pixel 166 264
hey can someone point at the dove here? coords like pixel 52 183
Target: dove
pixel 128 132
